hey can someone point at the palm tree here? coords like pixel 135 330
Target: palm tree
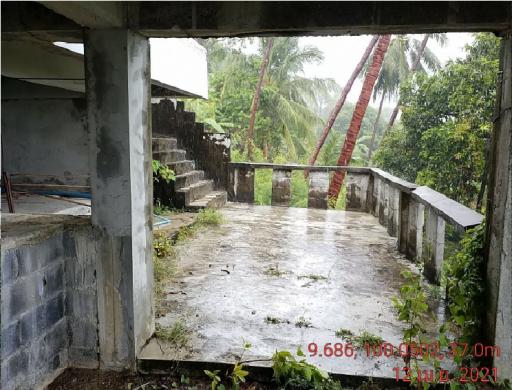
pixel 290 96
pixel 420 53
pixel 256 99
pixel 339 104
pixel 402 50
pixel 357 117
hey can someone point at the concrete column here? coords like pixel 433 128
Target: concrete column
pixel 281 187
pixel 393 210
pixel 498 247
pixel 117 66
pixel 318 190
pixel 434 247
pixel 369 194
pixel 377 184
pixel 357 186
pixel 383 203
pixel 416 218
pixel 241 188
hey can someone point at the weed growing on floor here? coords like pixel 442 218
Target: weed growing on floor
pixel 345 334
pixel 205 218
pixel 164 261
pixel 313 277
pixel 160 209
pixel 365 339
pixel 272 320
pixel 177 334
pixel 209 217
pixel 303 323
pixel 274 271
pixel 162 245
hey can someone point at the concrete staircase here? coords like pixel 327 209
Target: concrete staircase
pixel 191 190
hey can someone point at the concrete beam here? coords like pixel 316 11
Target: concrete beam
pixel 217 19
pixel 91 14
pixel 214 19
pixel 118 115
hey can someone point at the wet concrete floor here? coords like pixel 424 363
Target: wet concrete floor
pixel 267 270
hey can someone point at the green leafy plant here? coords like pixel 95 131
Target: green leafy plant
pixel 412 308
pixel 215 383
pixel 464 285
pixel 237 376
pixel 162 172
pixel 299 374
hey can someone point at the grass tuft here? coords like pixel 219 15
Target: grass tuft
pixel 176 334
pixel 209 217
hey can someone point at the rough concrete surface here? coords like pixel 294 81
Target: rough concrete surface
pixel 223 290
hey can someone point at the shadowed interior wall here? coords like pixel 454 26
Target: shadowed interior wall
pixel 45 139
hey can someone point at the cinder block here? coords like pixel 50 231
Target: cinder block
pixel 9 266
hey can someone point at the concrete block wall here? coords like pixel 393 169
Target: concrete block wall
pixel 48 310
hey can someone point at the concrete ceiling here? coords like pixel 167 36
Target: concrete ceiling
pixel 65 19
pixel 41 62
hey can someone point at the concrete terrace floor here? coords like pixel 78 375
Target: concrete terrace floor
pixel 223 292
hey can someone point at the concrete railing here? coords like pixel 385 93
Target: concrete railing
pixel 416 215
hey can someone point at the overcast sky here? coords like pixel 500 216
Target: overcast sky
pixel 343 53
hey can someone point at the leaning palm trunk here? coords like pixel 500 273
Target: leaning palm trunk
pixel 339 104
pixel 375 126
pixel 256 99
pixel 413 69
pixel 357 116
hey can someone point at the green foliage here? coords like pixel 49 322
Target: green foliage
pixel 162 172
pixel 209 217
pixel 215 380
pixel 162 245
pixel 288 371
pixel 464 285
pixel 360 341
pixel 164 261
pixel 177 334
pixel 160 209
pixel 446 121
pixel 237 376
pixel 411 305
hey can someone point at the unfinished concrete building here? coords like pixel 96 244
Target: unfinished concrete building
pixel 77 291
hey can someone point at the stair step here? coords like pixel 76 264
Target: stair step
pixel 182 167
pixel 186 195
pixel 164 143
pixel 169 156
pixel 212 200
pixel 188 178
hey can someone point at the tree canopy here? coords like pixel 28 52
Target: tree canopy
pixel 445 124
